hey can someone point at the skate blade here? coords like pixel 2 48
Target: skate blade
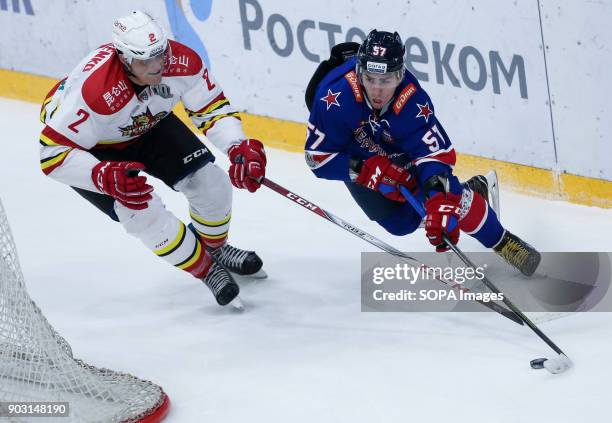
pixel 260 274
pixel 493 183
pixel 237 304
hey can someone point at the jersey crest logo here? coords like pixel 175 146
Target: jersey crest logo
pixel 142 123
pixel 376 123
pixel 351 77
pixel 162 90
pixel 403 98
pixel 424 111
pixel 331 99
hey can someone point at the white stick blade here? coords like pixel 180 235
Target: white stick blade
pixel 558 364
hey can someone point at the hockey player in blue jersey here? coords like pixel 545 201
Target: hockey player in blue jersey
pixel 374 127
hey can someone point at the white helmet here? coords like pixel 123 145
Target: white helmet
pixel 138 36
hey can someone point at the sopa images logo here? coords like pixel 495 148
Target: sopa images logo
pixel 17 6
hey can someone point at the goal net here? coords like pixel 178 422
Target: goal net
pixel 37 364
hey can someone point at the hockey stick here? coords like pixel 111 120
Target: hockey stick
pixel 556 365
pixel 376 242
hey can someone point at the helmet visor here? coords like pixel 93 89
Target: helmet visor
pixel 154 60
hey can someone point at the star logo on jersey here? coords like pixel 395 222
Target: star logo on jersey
pixel 331 99
pixel 424 111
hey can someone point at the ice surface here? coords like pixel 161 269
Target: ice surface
pixel 302 351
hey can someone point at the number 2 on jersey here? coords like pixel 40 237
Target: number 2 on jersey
pixel 209 84
pixel 84 117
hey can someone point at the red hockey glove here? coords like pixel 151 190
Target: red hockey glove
pixel 112 178
pixel 443 212
pixel 382 175
pixel 248 164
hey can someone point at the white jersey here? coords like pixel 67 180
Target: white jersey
pixel 97 106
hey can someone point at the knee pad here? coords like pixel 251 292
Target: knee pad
pixel 208 191
pixel 137 222
pixel 160 231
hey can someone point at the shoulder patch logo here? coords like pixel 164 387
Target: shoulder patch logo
pixel 424 111
pixel 351 77
pixel 178 64
pixel 331 99
pixel 403 98
pixel 116 93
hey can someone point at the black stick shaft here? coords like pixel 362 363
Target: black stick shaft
pixel 376 242
pixel 506 300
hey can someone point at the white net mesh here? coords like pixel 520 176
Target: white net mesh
pixel 36 363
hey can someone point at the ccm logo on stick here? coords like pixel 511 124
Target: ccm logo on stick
pixel 302 202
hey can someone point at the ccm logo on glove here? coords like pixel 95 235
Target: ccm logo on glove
pixel 448 208
pixel 443 214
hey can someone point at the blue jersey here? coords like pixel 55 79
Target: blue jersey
pixel 343 126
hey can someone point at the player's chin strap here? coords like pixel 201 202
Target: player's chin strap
pixel 419 208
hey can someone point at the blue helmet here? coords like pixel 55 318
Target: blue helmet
pixel 381 52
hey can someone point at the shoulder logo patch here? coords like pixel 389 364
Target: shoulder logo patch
pixel 331 99
pixel 403 98
pixel 351 77
pixel 424 111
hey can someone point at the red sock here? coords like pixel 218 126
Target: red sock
pixel 475 216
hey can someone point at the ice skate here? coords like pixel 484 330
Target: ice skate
pixel 222 285
pixel 518 253
pixel 240 262
pixel 488 187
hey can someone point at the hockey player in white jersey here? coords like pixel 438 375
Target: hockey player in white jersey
pixel 110 120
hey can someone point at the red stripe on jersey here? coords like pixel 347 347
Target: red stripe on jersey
pixel 217 98
pixel 448 157
pixel 48 170
pixel 475 216
pixel 317 159
pixel 56 137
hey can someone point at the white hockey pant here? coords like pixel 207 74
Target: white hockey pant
pixel 209 193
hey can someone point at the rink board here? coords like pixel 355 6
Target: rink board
pixel 289 136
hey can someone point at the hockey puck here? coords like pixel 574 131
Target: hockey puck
pixel 537 363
